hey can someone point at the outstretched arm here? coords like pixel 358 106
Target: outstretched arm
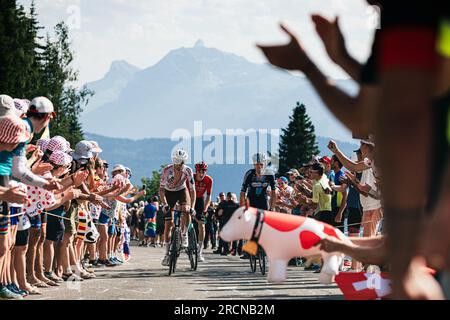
pixel 334 42
pixel 347 109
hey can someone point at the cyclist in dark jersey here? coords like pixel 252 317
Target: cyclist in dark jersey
pixel 256 183
pixel 254 188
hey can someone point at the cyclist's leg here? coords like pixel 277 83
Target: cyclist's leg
pixel 201 231
pixel 199 207
pixel 184 201
pixel 168 221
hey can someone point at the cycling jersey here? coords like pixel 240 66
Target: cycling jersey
pixel 256 188
pixel 169 183
pixel 203 186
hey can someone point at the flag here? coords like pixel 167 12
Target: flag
pixel 366 286
pixel 46 133
pixel 363 285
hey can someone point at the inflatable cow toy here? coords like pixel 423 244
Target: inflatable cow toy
pixel 283 237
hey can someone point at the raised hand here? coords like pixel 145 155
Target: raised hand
pixel 30 148
pixel 331 36
pixel 332 146
pixel 15 195
pixel 290 56
pixel 350 176
pixel 330 244
pixel 52 184
pixel 79 177
pixel 40 168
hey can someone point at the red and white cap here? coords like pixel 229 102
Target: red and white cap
pixel 95 147
pixel 42 144
pixel 21 106
pixel 41 105
pixel 58 143
pixel 13 130
pixel 60 158
pixel 325 159
pixel 67 143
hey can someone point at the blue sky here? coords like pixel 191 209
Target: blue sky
pixel 143 31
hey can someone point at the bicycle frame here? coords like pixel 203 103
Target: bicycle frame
pixel 175 244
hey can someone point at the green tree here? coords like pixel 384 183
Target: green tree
pixel 16 58
pixel 298 141
pixel 31 67
pixel 152 184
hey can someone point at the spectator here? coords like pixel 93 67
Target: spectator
pixel 284 196
pixel 225 211
pixel 321 195
pixel 211 227
pixel 367 187
pixel 150 217
pixel 326 161
pixel 292 175
pixel 339 197
pixel 160 227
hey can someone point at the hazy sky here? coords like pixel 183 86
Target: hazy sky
pixel 143 31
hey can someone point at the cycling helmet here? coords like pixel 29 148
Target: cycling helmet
pixel 260 158
pixel 201 166
pixel 180 156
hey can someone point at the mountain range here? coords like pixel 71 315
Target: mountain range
pixel 223 90
pixel 135 112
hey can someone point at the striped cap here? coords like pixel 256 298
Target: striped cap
pixel 57 144
pixel 13 130
pixel 60 158
pixel 42 144
pixel 22 106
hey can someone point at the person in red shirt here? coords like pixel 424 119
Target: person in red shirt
pixel 203 184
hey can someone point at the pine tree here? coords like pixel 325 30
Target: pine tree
pixel 10 52
pixel 298 141
pixel 19 59
pixel 29 68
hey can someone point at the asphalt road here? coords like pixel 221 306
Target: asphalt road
pixel 219 278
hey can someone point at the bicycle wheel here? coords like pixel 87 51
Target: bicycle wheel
pixel 192 248
pixel 262 260
pixel 174 247
pixel 252 260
